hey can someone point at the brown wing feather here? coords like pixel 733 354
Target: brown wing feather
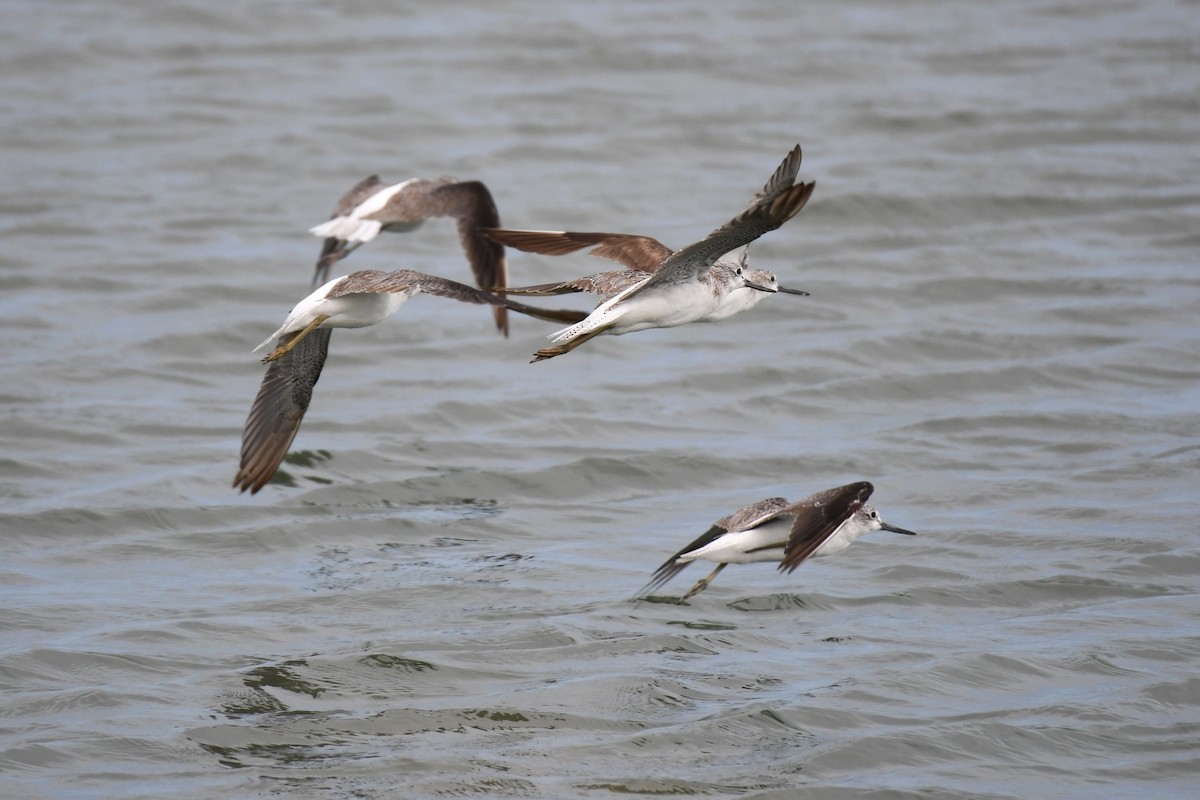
pixel 279 408
pixel 547 243
pixel 634 252
pixel 817 517
pixel 477 212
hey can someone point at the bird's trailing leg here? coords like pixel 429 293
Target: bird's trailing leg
pixel 703 583
pixel 283 349
pixel 551 352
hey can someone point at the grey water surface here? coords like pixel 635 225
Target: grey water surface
pixel 435 597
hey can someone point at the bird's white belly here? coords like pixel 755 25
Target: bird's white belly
pixel 764 543
pixel 666 307
pixel 362 310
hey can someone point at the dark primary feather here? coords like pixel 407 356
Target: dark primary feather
pixel 752 223
pixel 485 256
pixel 275 417
pixel 472 206
pixel 670 568
pixel 783 177
pixel 817 517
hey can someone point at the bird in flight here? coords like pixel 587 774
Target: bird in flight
pixel 776 530
pixel 372 206
pixel 357 300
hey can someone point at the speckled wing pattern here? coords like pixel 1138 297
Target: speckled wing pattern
pixel 373 281
pixel 818 517
pixel 603 284
pixel 778 202
pixel 751 516
pixel 743 519
pixel 279 408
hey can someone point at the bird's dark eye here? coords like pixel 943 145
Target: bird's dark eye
pixel 739 271
pixel 874 514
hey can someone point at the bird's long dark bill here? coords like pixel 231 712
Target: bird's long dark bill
pixel 750 285
pixel 894 529
pixel 786 290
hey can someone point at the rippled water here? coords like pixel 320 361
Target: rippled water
pixel 434 596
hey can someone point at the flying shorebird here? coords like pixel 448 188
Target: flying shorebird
pixel 683 288
pixel 373 206
pixel 822 524
pixel 357 300
pixel 641 256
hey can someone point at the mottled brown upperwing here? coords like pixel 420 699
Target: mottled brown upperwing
pixel 603 284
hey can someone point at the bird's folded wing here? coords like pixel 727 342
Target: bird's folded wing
pixel 818 517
